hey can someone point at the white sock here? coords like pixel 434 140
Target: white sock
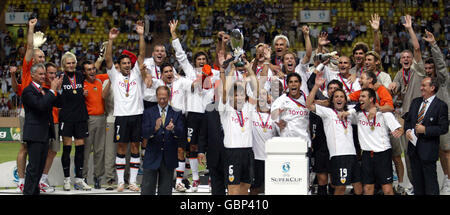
pixel 21 180
pixel 120 171
pixel 180 170
pixel 194 168
pixel 43 178
pixel 134 168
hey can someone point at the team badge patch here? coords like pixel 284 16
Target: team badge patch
pixel 117 137
pixel 231 178
pixel 343 180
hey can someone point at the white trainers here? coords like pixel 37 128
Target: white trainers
pixel 134 187
pixel 45 188
pixel 81 185
pixel 400 190
pixel 67 185
pixel 120 187
pixel 446 187
pixel 180 187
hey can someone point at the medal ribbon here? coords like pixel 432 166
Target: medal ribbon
pixel 343 123
pixel 127 81
pixel 156 71
pixel 296 102
pixel 267 121
pixel 241 118
pixel 73 82
pixel 258 70
pixel 403 75
pixel 349 90
pixel 374 119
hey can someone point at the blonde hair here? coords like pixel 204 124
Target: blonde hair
pixel 68 55
pixel 281 37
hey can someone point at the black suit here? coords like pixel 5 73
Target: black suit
pixel 37 130
pixel 424 155
pixel 211 141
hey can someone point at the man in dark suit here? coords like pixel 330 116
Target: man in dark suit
pixel 426 119
pixel 162 126
pixel 38 126
pixel 211 143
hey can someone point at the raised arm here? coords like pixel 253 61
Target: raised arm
pixel 30 40
pixel 307 57
pixel 140 60
pixel 438 57
pixel 179 52
pixel 323 41
pixel 14 85
pixel 113 33
pixel 375 23
pixel 310 99
pixel 415 42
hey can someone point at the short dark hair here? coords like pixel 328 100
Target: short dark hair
pixel 121 57
pixel 372 94
pixel 200 53
pixel 164 65
pixel 50 64
pixel 334 81
pixel 87 62
pixel 289 76
pixel 359 46
pixel 429 61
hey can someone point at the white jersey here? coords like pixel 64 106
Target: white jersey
pixel 384 78
pixel 195 100
pixel 269 77
pixel 264 128
pixel 376 140
pixel 237 126
pixel 295 116
pixel 122 86
pixel 338 133
pixel 149 94
pixel 178 90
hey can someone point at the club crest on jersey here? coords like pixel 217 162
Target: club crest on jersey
pixel 343 180
pixel 231 178
pixel 117 137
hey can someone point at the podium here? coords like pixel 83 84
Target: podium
pixel 286 166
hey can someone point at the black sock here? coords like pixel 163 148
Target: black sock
pixel 65 160
pixel 79 161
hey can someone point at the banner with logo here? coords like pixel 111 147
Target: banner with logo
pixel 12 18
pixel 9 134
pixel 314 16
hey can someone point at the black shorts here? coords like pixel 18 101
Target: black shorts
pixel 239 165
pixel 376 167
pixel 345 169
pixel 77 130
pixel 258 167
pixel 321 161
pixel 182 142
pixel 193 125
pixel 128 129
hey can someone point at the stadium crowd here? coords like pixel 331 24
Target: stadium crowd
pixel 356 118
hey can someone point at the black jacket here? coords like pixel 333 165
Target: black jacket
pixel 436 124
pixel 38 125
pixel 211 136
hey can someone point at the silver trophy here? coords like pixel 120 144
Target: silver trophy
pixel 237 44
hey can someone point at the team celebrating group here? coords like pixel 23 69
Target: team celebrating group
pixel 355 120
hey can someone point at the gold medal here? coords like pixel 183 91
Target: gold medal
pixel 345 131
pixel 264 130
pixel 372 128
pixel 242 129
pixel 74 91
pixel 127 95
